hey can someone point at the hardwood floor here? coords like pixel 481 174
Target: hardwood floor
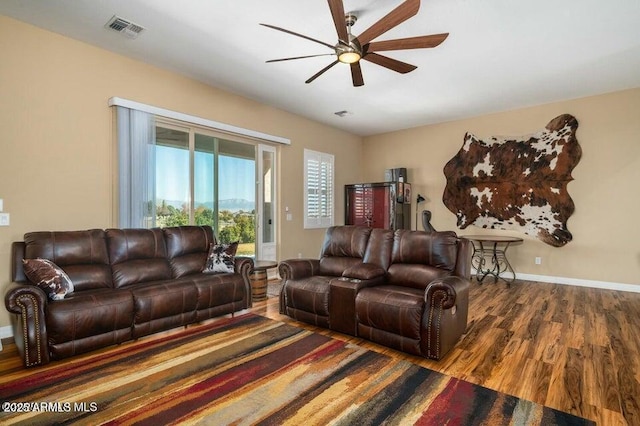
pixel 575 349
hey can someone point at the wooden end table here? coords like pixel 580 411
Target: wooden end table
pixel 258 278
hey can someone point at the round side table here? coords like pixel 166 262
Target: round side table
pixel 258 278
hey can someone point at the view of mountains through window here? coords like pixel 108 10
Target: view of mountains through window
pixel 224 192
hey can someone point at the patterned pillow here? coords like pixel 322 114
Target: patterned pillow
pixel 49 277
pixel 221 258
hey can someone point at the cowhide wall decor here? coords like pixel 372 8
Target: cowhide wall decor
pixel 516 183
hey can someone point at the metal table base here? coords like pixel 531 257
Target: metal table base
pixel 490 256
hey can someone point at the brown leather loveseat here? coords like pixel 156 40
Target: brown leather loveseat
pixel 404 289
pixel 128 283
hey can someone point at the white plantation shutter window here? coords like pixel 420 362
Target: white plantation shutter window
pixel 318 189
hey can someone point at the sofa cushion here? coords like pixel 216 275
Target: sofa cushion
pixel 343 246
pixel 82 254
pixel 49 277
pixel 162 305
pixel 221 258
pixel 218 289
pixel 309 294
pixel 335 266
pixel 394 309
pixel 414 275
pixel 349 241
pixel 420 257
pixel 85 315
pixel 364 271
pixel 437 249
pixel 137 256
pixel 379 248
pixel 187 248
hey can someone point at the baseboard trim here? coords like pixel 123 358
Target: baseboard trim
pixel 606 285
pixel 5 332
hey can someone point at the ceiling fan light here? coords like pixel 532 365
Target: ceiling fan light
pixel 349 57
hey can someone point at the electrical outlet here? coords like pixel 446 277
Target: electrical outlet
pixel 538 261
pixel 4 219
pixel 299 255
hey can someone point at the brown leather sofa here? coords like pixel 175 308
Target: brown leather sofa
pixel 408 290
pixel 128 283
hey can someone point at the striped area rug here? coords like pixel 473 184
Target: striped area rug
pixel 253 370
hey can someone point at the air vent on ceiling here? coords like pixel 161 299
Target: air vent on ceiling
pixel 124 27
pixel 342 113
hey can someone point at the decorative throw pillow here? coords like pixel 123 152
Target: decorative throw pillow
pixel 49 277
pixel 221 258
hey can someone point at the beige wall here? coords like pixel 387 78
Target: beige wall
pixel 56 167
pixel 606 235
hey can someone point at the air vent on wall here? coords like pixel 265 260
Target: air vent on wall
pixel 124 27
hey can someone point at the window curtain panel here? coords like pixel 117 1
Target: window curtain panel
pixel 136 165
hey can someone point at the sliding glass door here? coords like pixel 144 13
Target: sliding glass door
pixel 205 189
pixel 173 192
pixel 205 179
pixel 266 202
pixel 236 200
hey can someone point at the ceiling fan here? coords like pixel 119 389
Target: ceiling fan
pixel 351 49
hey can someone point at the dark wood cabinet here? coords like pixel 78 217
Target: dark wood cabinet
pixel 378 205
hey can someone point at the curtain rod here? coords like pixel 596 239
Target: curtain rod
pixel 228 128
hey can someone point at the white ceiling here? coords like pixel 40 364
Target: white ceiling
pixel 500 54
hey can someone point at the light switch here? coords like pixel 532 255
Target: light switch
pixel 1 204
pixel 4 219
pixel 289 216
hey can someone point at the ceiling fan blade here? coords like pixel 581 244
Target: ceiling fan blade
pixel 356 75
pixel 337 12
pixel 299 57
pixel 299 35
pixel 420 42
pixel 392 64
pixel 397 16
pixel 322 71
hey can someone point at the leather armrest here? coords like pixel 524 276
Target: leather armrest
pixel 446 289
pixel 28 303
pixel 16 290
pixel 243 266
pixel 445 317
pixel 295 269
pixel 240 262
pixel 463 259
pixel 364 271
